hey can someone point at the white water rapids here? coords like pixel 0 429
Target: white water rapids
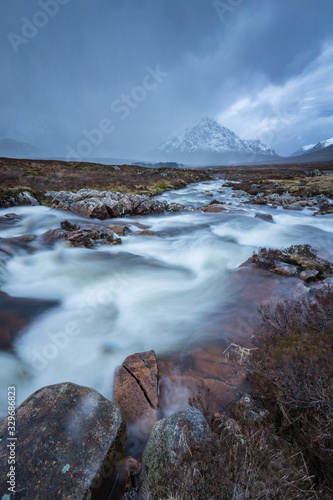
pixel 167 293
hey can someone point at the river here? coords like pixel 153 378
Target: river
pixel 178 290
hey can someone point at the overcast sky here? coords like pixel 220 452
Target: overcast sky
pixel 142 70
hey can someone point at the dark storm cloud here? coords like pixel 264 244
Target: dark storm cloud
pixel 246 66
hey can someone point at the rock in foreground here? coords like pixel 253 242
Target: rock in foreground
pixel 136 391
pixel 70 439
pixel 108 204
pixel 171 440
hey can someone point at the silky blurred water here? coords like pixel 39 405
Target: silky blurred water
pixel 168 293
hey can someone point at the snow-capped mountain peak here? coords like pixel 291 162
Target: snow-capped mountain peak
pixel 310 148
pixel 209 137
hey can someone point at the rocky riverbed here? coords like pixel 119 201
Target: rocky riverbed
pixel 292 187
pixel 126 323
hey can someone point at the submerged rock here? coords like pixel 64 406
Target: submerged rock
pixel 9 220
pixel 16 313
pixel 213 208
pixel 18 244
pixel 171 440
pixel 144 232
pixel 70 441
pixel 120 230
pixel 266 217
pixel 107 204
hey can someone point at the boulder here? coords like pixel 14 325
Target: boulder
pixel 309 274
pixel 70 440
pixel 135 391
pixel 284 269
pixel 177 207
pixel 91 207
pixel 17 198
pixel 81 236
pixel 53 236
pixel 107 204
pixel 307 263
pixel 172 440
pixel 89 236
pixel 293 206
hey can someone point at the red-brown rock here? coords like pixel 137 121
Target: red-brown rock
pixel 206 375
pixel 129 396
pixel 136 390
pixel 143 366
pixel 53 236
pixel 16 314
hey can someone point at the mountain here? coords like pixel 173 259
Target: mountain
pixel 208 141
pixel 311 148
pixel 16 149
pixel 320 155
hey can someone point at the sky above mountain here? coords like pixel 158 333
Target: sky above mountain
pixel 117 77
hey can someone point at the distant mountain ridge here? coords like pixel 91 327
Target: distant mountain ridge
pixel 311 148
pixel 16 149
pixel 210 141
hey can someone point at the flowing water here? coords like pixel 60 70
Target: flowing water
pixel 169 293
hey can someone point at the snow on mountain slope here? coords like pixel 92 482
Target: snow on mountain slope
pixel 257 146
pixel 310 148
pixel 210 137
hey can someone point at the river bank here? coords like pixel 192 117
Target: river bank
pixel 293 186
pixel 39 176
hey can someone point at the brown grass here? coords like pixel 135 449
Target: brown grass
pixel 292 374
pixel 40 176
pixel 290 177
